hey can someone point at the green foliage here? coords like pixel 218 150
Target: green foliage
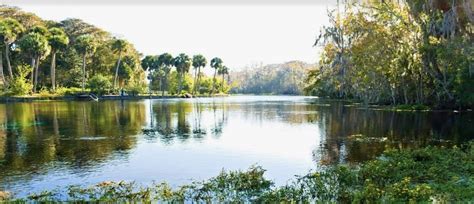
pixel 57 38
pixel 176 80
pixel 99 84
pixel 10 29
pixel 19 86
pixel 426 63
pixel 136 87
pixel 34 44
pixel 65 91
pixel 85 44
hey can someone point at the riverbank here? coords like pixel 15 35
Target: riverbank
pixel 431 174
pixel 6 99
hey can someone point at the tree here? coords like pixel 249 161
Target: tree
pixel 10 29
pixel 119 46
pixel 182 63
pixel 165 62
pixel 223 71
pixel 198 62
pixel 58 40
pixel 85 45
pixel 35 45
pixel 216 63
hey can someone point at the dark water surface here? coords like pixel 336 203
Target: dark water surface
pixel 44 145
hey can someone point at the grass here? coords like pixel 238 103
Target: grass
pixel 423 175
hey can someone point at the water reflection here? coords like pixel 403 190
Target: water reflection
pixel 78 133
pixel 45 144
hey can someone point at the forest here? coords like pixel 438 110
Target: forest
pixel 278 79
pixel 42 57
pixel 397 52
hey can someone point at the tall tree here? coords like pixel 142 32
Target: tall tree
pixel 10 29
pixel 182 63
pixel 165 61
pixel 58 40
pixel 35 45
pixel 150 63
pixel 120 46
pixel 216 63
pixel 85 45
pixel 223 71
pixel 198 62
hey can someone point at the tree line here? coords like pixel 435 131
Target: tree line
pixel 282 79
pixel 398 52
pixel 72 56
pixel 178 81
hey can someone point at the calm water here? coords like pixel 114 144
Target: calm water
pixel 44 145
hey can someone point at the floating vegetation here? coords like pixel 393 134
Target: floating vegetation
pixel 432 174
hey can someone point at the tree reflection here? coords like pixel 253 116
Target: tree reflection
pixel 78 133
pixel 382 130
pixel 184 120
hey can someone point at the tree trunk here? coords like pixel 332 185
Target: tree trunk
pixel 214 81
pixel 83 72
pixel 116 69
pixel 180 81
pixel 2 75
pixel 7 57
pixel 33 62
pixel 53 71
pixel 223 82
pixel 195 81
pixel 163 87
pixel 36 73
pixel 198 85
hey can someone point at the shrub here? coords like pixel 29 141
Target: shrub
pixel 99 84
pixel 67 91
pixel 134 88
pixel 19 86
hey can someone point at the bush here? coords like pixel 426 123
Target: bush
pixel 99 84
pixel 134 88
pixel 67 91
pixel 19 86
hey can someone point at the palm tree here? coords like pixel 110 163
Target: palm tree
pixel 35 44
pixel 216 63
pixel 85 45
pixel 119 46
pixel 223 71
pixel 10 29
pixel 165 61
pixel 58 40
pixel 150 63
pixel 198 62
pixel 182 63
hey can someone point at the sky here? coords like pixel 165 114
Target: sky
pixel 242 34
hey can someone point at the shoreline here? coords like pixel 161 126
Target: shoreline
pixel 12 99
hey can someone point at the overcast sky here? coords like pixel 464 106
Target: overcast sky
pixel 240 33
